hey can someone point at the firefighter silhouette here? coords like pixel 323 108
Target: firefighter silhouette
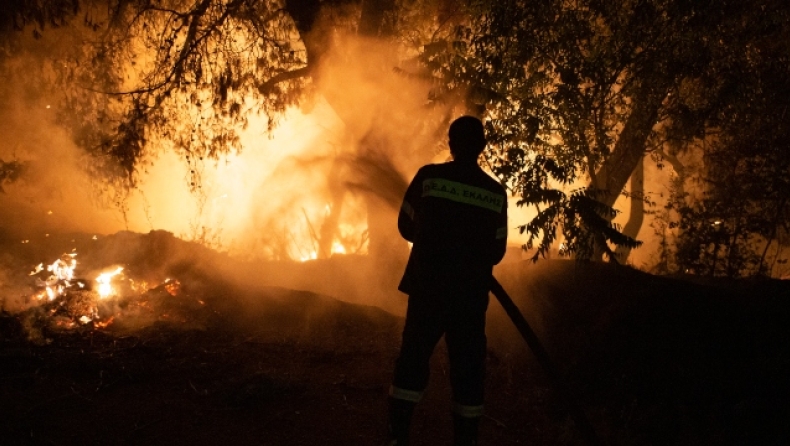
pixel 455 215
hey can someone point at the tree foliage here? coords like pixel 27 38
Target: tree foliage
pixel 572 91
pixel 179 74
pixel 596 86
pixel 739 226
pixel 18 14
pixel 734 223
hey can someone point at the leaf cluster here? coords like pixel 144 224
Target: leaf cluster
pixel 566 80
pixel 741 223
pixel 579 216
pixel 181 75
pixel 737 109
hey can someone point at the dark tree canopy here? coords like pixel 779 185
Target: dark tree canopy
pixel 181 74
pixel 16 15
pixel 582 90
pixel 740 223
pixel 572 92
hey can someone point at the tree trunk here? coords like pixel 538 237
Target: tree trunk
pixel 630 147
pixel 636 215
pixel 678 192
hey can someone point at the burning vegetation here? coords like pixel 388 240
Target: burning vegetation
pixel 229 344
pixel 68 301
pixel 129 281
pixel 198 204
pixel 64 297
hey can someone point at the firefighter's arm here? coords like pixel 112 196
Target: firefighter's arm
pixel 500 243
pixel 406 223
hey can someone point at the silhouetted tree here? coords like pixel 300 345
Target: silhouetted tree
pixel 583 90
pixel 739 225
pixel 571 90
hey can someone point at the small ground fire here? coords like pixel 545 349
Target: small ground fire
pixel 72 301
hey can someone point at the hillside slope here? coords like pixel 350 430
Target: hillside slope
pixel 231 359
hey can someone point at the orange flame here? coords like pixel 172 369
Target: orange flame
pixel 105 283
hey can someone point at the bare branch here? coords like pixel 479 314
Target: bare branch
pixel 267 86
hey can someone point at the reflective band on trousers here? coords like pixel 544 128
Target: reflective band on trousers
pixel 406 395
pixel 462 193
pixel 467 411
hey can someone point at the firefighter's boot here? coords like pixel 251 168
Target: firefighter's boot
pixel 465 430
pixel 400 412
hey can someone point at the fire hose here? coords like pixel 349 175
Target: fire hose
pixel 575 411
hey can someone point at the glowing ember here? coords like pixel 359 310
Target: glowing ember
pixel 172 286
pixel 104 324
pixel 69 303
pixel 62 274
pixel 63 268
pixel 105 283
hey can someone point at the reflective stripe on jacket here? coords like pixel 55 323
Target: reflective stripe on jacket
pixel 455 215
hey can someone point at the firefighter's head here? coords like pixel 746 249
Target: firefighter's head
pixel 467 138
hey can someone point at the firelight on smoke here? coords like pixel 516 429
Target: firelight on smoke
pixel 338 248
pixel 281 198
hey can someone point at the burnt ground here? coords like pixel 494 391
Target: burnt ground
pixel 651 360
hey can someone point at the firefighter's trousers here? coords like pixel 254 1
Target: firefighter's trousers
pixel 460 317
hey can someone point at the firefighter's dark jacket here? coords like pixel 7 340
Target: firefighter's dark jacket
pixel 456 217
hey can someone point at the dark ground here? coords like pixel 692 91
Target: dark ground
pixel 652 361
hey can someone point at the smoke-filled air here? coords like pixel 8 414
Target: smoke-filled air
pixel 205 207
pixel 319 178
pixel 267 201
pixel 304 179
